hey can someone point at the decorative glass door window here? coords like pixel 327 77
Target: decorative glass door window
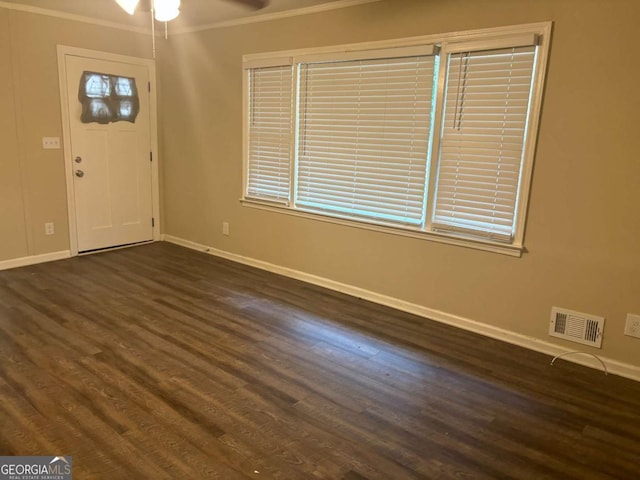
pixel 108 98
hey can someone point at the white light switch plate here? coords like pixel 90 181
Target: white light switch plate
pixel 51 143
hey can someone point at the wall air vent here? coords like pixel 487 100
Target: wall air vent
pixel 576 327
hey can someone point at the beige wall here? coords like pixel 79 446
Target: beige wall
pixel 32 180
pixel 583 234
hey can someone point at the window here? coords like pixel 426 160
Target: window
pixel 108 98
pixel 486 102
pixel 363 136
pixel 270 139
pixel 433 138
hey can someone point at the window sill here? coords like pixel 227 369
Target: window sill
pixel 461 241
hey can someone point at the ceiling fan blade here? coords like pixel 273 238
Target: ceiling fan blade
pixel 257 4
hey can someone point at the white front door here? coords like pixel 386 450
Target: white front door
pixel 109 125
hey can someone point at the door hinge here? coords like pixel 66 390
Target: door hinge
pixel 149 84
pixel 153 222
pixel 151 156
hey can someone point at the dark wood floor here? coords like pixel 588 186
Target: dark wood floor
pixel 158 362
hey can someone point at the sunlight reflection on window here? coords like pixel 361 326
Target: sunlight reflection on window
pixel 124 86
pixel 125 109
pixel 99 110
pixel 97 86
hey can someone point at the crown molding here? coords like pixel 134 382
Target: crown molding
pixel 70 16
pixel 265 17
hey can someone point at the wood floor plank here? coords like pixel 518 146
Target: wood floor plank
pixel 162 362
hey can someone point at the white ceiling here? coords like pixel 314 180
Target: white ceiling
pixel 194 13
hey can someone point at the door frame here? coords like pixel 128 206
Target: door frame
pixel 63 51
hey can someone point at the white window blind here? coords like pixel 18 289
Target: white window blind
pixel 431 137
pixel 486 107
pixel 364 136
pixel 269 132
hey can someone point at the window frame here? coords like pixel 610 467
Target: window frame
pixel 249 114
pixel 483 39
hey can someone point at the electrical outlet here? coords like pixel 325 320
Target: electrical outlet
pixel 632 327
pixel 49 228
pixel 51 143
pixel 225 228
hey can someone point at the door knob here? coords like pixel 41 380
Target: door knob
pixel 79 173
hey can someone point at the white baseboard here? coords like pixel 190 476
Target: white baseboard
pixel 532 343
pixel 33 259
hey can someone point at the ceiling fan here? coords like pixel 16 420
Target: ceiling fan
pixel 166 10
